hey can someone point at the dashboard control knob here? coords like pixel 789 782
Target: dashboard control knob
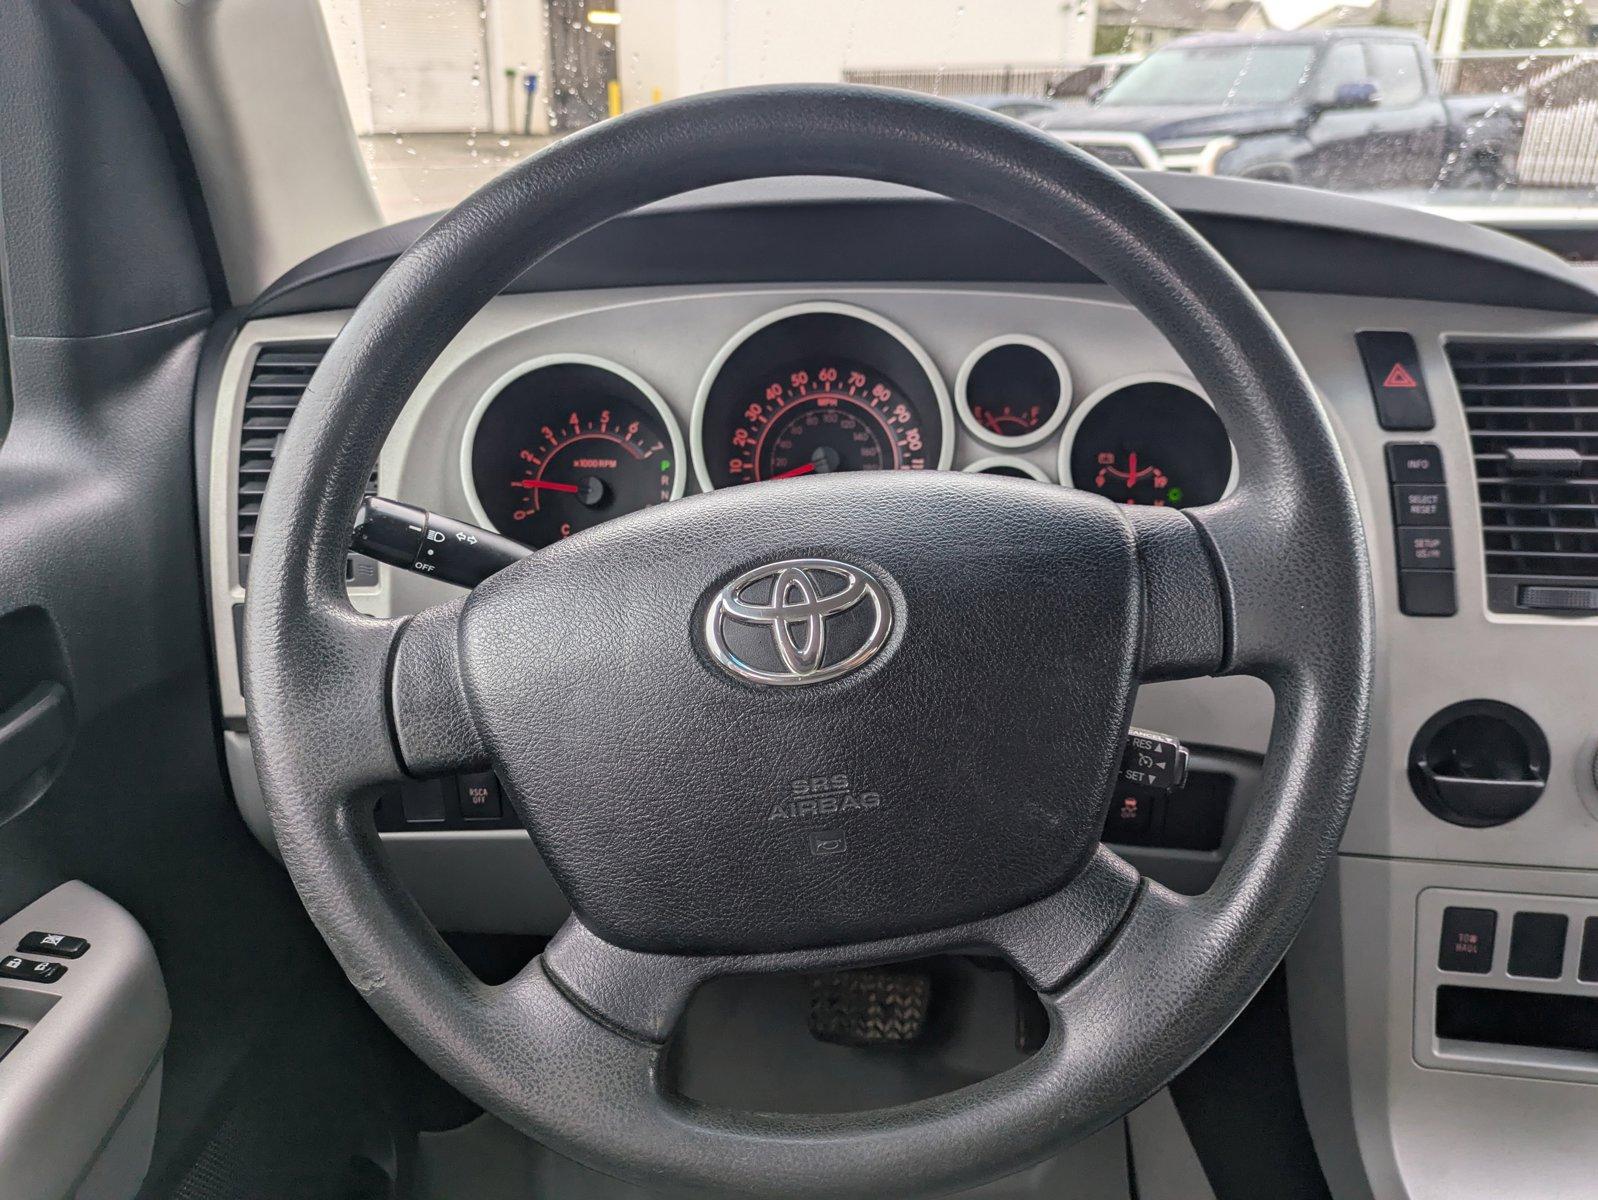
pixel 1479 764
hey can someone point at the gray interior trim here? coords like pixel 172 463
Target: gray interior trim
pixel 1384 1124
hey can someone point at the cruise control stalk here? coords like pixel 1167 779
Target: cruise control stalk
pixel 414 539
pixel 1153 762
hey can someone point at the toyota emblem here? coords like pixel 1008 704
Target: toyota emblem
pixel 804 620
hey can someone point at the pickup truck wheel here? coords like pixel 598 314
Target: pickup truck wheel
pixel 651 774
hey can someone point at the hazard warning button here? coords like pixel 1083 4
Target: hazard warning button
pixel 1393 367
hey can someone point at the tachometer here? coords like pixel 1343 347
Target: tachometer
pixel 818 389
pixel 1149 441
pixel 569 443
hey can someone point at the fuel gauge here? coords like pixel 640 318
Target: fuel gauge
pixel 1013 391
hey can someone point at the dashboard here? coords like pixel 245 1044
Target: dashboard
pixel 568 440
pixel 771 332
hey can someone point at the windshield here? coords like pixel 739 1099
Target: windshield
pixel 1215 76
pixel 1485 109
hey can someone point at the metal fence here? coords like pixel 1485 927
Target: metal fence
pixel 1559 88
pixel 1040 80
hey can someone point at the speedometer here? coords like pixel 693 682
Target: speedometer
pixel 837 416
pixel 818 389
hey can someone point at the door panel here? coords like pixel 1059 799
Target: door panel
pixel 107 296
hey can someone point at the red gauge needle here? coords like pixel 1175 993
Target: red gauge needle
pixel 796 471
pixel 545 485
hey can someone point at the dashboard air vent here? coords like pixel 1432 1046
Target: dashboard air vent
pixel 278 378
pixel 1532 409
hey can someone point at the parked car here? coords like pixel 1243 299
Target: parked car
pixel 1351 109
pixel 1022 108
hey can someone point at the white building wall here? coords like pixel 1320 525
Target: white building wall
pixel 733 43
pixel 409 65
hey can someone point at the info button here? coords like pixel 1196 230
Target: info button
pixel 1414 462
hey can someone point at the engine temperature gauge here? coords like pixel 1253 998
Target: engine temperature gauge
pixel 1142 482
pixel 1148 441
pixel 567 444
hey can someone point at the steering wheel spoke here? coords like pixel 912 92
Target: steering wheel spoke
pixel 1227 586
pixel 1185 604
pixel 433 730
pixel 644 993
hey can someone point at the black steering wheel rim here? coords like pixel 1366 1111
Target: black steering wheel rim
pixel 1270 582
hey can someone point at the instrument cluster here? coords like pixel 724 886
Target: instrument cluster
pixel 568 441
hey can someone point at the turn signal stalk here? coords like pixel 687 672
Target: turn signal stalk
pixel 414 539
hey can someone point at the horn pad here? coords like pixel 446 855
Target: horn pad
pixel 813 712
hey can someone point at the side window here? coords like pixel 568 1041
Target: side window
pixel 1396 69
pixel 1344 63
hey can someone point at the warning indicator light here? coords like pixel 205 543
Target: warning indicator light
pixel 1398 377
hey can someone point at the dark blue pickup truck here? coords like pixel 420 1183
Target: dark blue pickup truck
pixel 1350 109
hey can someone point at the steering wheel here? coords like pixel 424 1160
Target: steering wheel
pixel 983 730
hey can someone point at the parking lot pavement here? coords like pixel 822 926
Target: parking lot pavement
pixel 418 173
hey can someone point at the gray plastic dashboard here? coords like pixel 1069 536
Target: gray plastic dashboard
pixel 1382 1100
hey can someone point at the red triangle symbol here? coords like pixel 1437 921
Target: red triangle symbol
pixel 1399 378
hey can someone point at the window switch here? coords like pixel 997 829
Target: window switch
pixel 57 945
pixel 30 970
